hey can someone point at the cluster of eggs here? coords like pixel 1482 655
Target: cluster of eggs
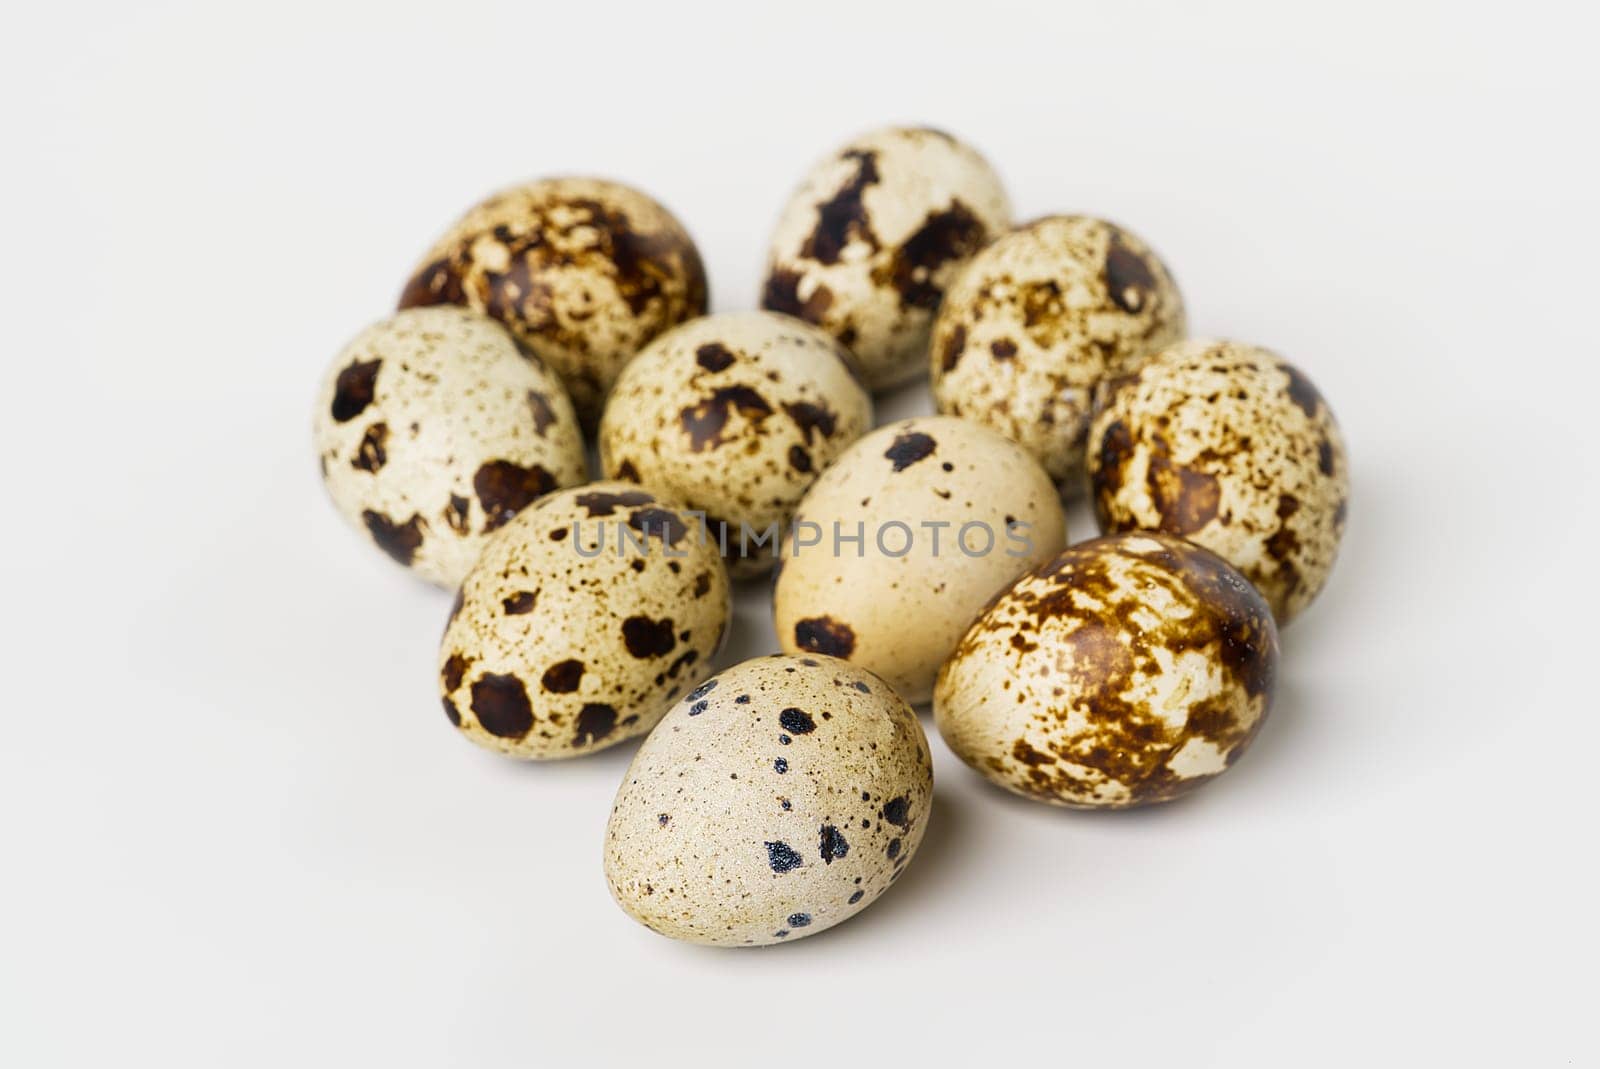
pixel 783 795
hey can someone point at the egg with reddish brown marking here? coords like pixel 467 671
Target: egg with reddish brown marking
pixel 778 799
pixel 433 430
pixel 1038 320
pixel 1231 447
pixel 582 622
pixel 583 271
pixel 736 415
pixel 867 245
pixel 1129 670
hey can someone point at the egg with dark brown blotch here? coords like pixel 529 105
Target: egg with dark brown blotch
pixel 583 271
pixel 779 798
pixel 585 618
pixel 867 245
pixel 1129 670
pixel 1037 320
pixel 1233 448
pixel 736 415
pixel 433 430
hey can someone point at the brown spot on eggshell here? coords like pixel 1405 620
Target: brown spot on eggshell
pixel 823 634
pixel 399 540
pixel 500 704
pixel 354 389
pixel 370 454
pixel 910 447
pixel 505 488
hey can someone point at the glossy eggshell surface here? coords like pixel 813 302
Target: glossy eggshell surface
pixel 1233 448
pixel 778 799
pixel 1038 320
pixel 1129 670
pixel 433 430
pixel 899 604
pixel 735 415
pixel 583 271
pixel 552 653
pixel 876 231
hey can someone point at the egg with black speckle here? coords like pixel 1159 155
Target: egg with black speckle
pixel 736 415
pixel 1129 670
pixel 1231 447
pixel 905 539
pixel 585 618
pixel 1040 318
pixel 867 245
pixel 779 798
pixel 433 430
pixel 583 271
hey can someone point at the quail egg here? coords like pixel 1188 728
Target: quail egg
pixel 582 621
pixel 867 245
pixel 736 415
pixel 1129 670
pixel 905 539
pixel 776 800
pixel 433 430
pixel 583 271
pixel 1037 320
pixel 1233 448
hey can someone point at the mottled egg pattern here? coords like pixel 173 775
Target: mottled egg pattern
pixel 735 415
pixel 779 798
pixel 1233 448
pixel 1129 670
pixel 977 511
pixel 1038 320
pixel 433 430
pixel 583 271
pixel 581 623
pixel 868 243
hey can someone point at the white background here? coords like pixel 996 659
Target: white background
pixel 236 828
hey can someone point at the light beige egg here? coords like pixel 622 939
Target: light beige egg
pixel 778 799
pixel 867 245
pixel 1233 448
pixel 583 271
pixel 735 415
pixel 433 430
pixel 1129 670
pixel 947 514
pixel 1038 320
pixel 582 622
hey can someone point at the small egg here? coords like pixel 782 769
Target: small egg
pixel 1231 447
pixel 735 415
pixel 1037 320
pixel 947 514
pixel 1129 670
pixel 433 430
pixel 876 231
pixel 581 623
pixel 774 801
pixel 583 271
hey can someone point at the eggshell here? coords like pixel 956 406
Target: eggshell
pixel 1037 320
pixel 735 415
pixel 779 798
pixel 583 271
pixel 1129 670
pixel 1233 448
pixel 581 623
pixel 433 430
pixel 950 514
pixel 876 231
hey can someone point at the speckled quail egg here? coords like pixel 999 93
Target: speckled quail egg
pixel 735 414
pixel 1037 320
pixel 776 800
pixel 582 621
pixel 901 543
pixel 876 231
pixel 583 271
pixel 1129 670
pixel 1233 448
pixel 433 430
